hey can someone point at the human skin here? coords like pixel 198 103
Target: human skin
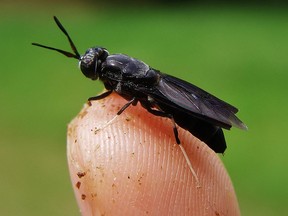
pixel 133 166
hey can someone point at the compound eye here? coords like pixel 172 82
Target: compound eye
pixel 89 70
pixel 88 64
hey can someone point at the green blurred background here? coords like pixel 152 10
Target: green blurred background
pixel 239 53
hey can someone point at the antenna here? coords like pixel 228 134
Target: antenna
pixel 75 55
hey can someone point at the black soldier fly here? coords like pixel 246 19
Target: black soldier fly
pixel 192 108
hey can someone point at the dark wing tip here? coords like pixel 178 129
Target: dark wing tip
pixel 243 126
pixel 236 122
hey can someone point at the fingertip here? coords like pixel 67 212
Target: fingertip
pixel 133 166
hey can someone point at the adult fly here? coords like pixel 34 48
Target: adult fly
pixel 192 108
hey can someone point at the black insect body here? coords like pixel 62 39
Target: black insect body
pixel 190 107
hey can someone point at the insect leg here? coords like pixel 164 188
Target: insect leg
pixel 133 101
pixel 105 94
pixel 101 96
pixel 163 114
